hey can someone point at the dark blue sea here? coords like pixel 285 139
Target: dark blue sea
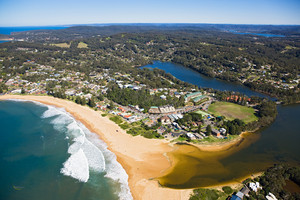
pixel 9 30
pixel 46 154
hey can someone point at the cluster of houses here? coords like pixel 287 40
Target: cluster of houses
pixel 237 98
pixel 129 117
pixel 254 187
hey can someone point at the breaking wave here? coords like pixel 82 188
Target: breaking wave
pixel 87 152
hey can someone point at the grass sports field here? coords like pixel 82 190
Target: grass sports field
pixel 232 111
pixel 82 45
pixel 63 45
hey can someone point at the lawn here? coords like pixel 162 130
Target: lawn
pixel 82 45
pixel 232 111
pixel 63 45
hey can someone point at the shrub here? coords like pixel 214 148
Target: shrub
pixel 227 189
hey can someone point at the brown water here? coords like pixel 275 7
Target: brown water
pixel 275 144
pixel 292 187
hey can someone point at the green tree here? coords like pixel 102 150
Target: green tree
pixel 227 189
pixel 199 129
pixel 91 103
pixel 83 101
pixel 78 100
pixel 208 130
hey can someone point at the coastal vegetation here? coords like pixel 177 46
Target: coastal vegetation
pixel 275 180
pixel 282 180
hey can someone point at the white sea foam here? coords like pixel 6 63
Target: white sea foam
pixel 88 152
pixel 77 166
pixel 114 169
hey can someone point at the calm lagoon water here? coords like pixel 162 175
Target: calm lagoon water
pixel 47 154
pixel 191 76
pixel 258 34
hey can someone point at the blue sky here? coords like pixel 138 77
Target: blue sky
pixel 59 12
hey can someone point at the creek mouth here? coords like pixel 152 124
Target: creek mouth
pixel 277 143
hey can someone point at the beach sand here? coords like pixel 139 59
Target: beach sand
pixel 143 159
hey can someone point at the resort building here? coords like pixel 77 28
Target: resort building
pixel 162 109
pixel 190 96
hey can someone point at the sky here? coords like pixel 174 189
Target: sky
pixel 63 12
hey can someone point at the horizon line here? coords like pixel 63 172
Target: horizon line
pixel 128 23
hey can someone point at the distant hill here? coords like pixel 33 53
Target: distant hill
pixel 78 32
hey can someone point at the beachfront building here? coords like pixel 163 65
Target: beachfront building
pixel 254 186
pixel 162 109
pixel 154 110
pixel 167 109
pixel 271 196
pixel 240 194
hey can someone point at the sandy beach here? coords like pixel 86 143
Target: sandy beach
pixel 143 159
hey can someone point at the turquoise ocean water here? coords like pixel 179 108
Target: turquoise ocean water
pixel 46 154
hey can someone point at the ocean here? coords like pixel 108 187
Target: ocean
pixel 46 154
pixel 9 30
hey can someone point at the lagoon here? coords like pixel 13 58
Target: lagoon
pixel 258 34
pixel 193 77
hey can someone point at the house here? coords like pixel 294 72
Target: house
pixel 216 132
pixel 165 120
pixel 163 97
pixel 254 186
pixel 190 135
pixel 121 109
pixel 240 194
pixel 160 130
pixel 234 197
pixel 271 196
pixel 149 122
pixel 223 131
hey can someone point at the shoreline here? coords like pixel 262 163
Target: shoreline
pixel 144 160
